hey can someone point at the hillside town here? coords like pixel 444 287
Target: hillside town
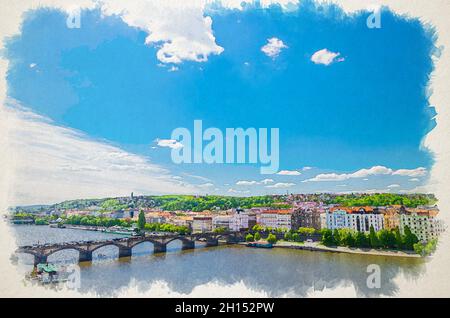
pixel 287 214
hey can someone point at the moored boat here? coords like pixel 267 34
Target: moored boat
pixel 48 274
pixel 259 245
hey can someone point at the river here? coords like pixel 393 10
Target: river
pixel 275 272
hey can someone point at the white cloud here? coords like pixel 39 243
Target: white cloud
pixel 54 163
pixel 253 182
pixel 179 29
pixel 414 179
pixel 326 57
pixel 281 185
pixel 267 181
pixel 418 172
pixel 33 65
pixel 246 183
pixel 306 168
pixel 193 176
pixel 170 143
pixel 393 186
pixel 289 173
pixel 376 170
pixel 241 4
pixel 273 47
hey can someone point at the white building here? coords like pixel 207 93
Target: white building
pixel 279 219
pixel 154 218
pixel 424 225
pixel 221 221
pixel 202 224
pixel 239 221
pixel 358 220
pixel 324 220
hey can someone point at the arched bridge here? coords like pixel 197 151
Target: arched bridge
pixel 126 244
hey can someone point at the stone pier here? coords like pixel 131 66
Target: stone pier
pixel 125 252
pixel 212 242
pixel 159 248
pixel 187 245
pixel 40 259
pixel 85 256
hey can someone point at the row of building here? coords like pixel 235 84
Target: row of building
pixel 422 220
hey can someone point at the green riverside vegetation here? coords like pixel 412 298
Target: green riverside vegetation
pixel 384 239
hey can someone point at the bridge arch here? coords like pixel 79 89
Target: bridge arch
pixel 64 248
pixel 176 244
pixel 107 244
pixel 180 238
pixel 141 248
pixel 159 245
pixel 29 252
pixel 80 254
pixel 108 250
pixel 147 239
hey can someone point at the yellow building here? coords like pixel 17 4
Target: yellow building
pixel 392 217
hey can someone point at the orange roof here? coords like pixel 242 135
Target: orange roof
pixel 368 209
pixel 425 212
pixel 202 217
pixel 284 211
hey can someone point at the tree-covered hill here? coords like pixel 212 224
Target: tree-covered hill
pixel 217 202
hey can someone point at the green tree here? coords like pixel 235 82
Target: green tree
pixel 419 248
pixel 307 231
pixel 431 246
pixel 348 238
pixel 257 236
pixel 288 236
pixel 296 237
pixel 257 228
pixel 386 239
pixel 398 239
pixel 373 238
pixel 141 220
pixel 220 229
pixel 425 249
pixel 361 240
pixel 249 238
pixel 272 239
pixel 40 221
pixel 337 237
pixel 327 237
pixel 409 239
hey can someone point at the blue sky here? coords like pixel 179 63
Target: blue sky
pixel 367 108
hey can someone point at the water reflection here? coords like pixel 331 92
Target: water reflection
pixel 277 271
